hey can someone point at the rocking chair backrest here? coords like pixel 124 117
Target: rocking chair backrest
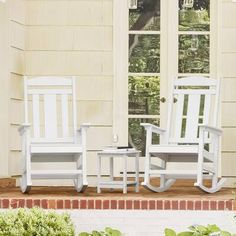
pixel 50 108
pixel 195 100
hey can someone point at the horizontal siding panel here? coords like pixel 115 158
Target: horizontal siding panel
pixel 16 112
pixel 228 114
pixel 14 138
pixel 69 38
pixel 49 38
pixel 228 64
pixel 68 63
pixel 107 12
pixel 228 40
pixel 84 38
pixel 228 89
pixel 16 86
pixel 17 10
pixel 46 12
pixel 228 14
pixel 17 61
pixel 228 139
pixel 94 89
pixel 228 164
pixel 95 112
pixel 17 35
pixel 99 137
pixel 16 163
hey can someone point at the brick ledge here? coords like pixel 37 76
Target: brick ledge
pixel 114 204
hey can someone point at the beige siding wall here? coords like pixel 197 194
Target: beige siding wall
pixel 17 70
pixel 65 37
pixel 227 54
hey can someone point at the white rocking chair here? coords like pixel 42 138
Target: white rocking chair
pixel 53 136
pixel 193 107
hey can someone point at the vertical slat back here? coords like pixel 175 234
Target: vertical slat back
pixel 192 116
pixel 65 114
pixel 195 96
pixel 51 118
pixel 50 115
pixel 74 109
pixel 36 115
pixel 179 115
pixel 207 109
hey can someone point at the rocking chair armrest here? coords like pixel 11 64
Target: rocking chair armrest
pixel 154 128
pixel 211 129
pixel 84 126
pixel 24 128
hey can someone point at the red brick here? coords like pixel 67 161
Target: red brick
pixel 190 205
pixel 83 204
pixel 67 204
pixel 221 205
pixel 44 203
pixel 198 205
pixel 75 204
pixel 175 205
pixel 5 203
pixel 144 204
pixel 167 205
pixel 113 204
pixel 60 204
pixel 98 204
pixel 14 203
pixel 136 204
pixel 52 204
pixel 205 205
pixel 36 202
pixel 29 203
pixel 233 202
pixel 106 204
pixel 213 205
pixel 0 203
pixel 182 205
pixel 90 204
pixel 129 204
pixel 229 205
pixel 152 205
pixel 159 204
pixel 121 204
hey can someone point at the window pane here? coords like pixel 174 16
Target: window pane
pixel 144 95
pixel 137 134
pixel 194 15
pixel 194 53
pixel 144 53
pixel 146 16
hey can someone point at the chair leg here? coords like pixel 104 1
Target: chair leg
pixel 24 183
pixel 79 183
pixel 166 185
pixel 212 189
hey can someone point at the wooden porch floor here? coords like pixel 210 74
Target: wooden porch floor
pixel 176 192
pixel 182 196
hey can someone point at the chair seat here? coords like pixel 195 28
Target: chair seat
pixel 174 149
pixel 56 149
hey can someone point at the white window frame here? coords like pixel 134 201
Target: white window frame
pixel 168 58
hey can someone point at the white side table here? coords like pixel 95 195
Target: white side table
pixel 124 154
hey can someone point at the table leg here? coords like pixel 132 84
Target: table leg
pixel 137 173
pixel 111 168
pixel 125 175
pixel 99 174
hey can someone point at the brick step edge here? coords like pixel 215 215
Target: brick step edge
pixel 105 204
